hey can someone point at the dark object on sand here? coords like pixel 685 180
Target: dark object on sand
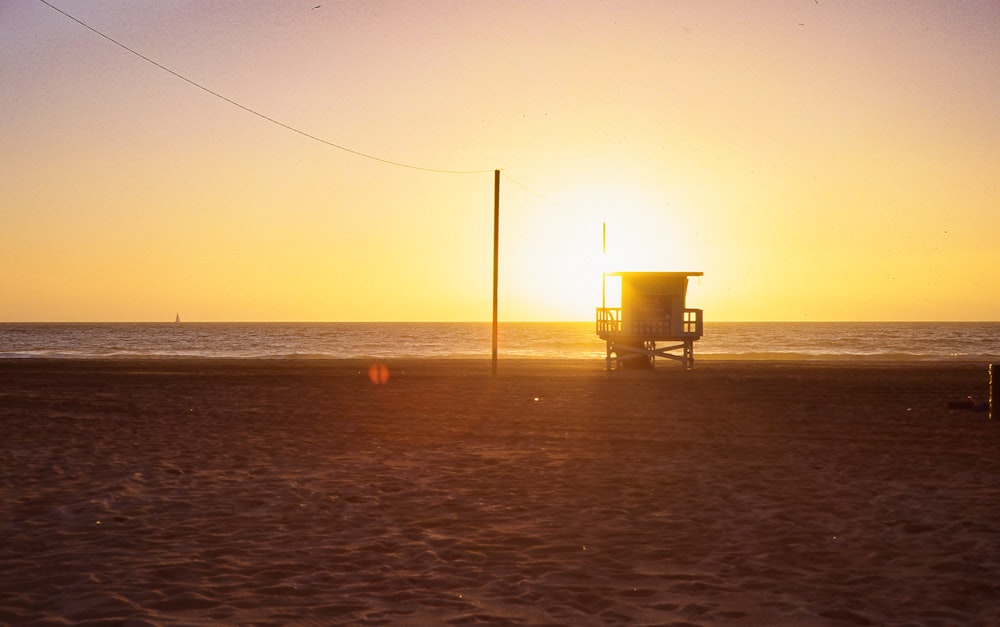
pixel 969 404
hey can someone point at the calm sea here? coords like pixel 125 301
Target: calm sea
pixel 973 341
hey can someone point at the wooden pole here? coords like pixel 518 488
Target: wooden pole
pixel 496 260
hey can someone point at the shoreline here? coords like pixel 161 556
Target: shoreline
pixel 699 357
pixel 661 363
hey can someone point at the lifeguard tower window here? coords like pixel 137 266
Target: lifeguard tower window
pixel 652 309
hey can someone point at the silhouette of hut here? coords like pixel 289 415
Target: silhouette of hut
pixel 653 309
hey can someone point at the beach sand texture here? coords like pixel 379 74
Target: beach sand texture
pixel 280 492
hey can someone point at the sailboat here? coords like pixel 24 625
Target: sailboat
pixel 178 318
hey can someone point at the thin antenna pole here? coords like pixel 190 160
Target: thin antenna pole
pixel 604 261
pixel 496 260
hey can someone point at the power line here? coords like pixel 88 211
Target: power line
pixel 529 190
pixel 252 111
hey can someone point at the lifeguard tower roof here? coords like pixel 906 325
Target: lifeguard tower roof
pixel 655 274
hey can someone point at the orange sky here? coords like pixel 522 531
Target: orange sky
pixel 817 160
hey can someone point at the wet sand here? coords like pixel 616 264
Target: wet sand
pixel 277 492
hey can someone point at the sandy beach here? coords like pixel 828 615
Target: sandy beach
pixel 299 492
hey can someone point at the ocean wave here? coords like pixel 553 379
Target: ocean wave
pixel 472 340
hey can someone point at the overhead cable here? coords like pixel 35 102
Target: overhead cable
pixel 529 190
pixel 252 111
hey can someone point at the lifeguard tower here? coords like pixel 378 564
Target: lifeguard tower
pixel 652 310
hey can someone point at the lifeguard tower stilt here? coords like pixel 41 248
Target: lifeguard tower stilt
pixel 652 310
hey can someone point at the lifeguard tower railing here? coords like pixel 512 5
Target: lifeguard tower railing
pixel 638 337
pixel 609 322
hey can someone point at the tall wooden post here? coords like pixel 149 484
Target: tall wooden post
pixel 496 260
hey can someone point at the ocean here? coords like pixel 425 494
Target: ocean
pixel 964 341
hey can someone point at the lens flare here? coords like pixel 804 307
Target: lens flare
pixel 378 374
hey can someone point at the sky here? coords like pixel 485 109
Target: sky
pixel 281 160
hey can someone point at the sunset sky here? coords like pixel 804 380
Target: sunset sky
pixel 816 159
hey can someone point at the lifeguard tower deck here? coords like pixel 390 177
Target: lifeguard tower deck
pixel 652 310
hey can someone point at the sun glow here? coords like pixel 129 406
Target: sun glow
pixel 552 269
pixel 555 255
pixel 642 231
